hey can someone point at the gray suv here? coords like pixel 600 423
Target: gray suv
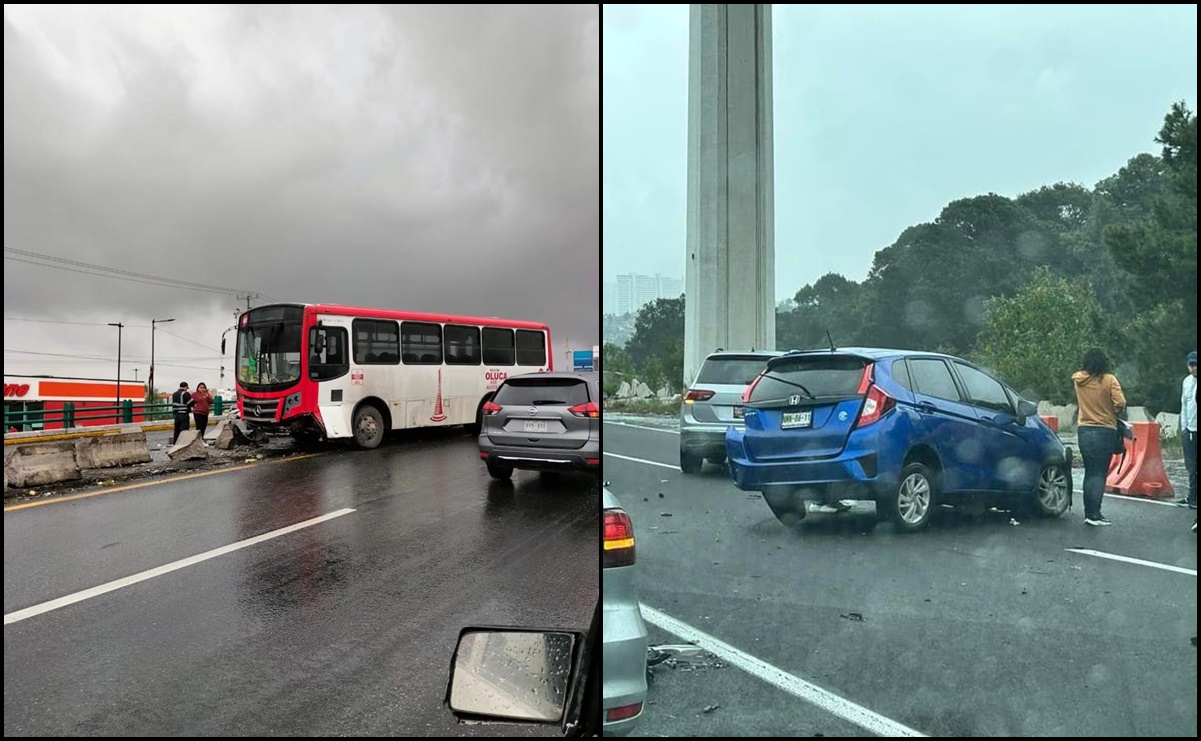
pixel 625 636
pixel 542 421
pixel 714 402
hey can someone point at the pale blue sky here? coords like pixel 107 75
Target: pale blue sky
pixel 884 114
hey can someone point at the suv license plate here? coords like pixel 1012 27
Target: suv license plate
pixel 535 426
pixel 797 419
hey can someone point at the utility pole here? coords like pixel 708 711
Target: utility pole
pixel 153 398
pixel 119 327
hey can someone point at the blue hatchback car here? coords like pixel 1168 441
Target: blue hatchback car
pixel 908 430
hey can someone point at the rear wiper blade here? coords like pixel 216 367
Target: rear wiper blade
pixel 536 402
pixel 791 383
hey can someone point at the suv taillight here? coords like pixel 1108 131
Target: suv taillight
pixel 619 539
pixel 587 409
pixel 750 389
pixel 697 395
pixel 875 406
pixel 491 407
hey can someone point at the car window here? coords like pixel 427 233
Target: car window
pixel 568 391
pixel 731 370
pixel 983 390
pixel 932 377
pixel 900 372
pixel 820 376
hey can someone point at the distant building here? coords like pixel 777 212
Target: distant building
pixel 37 402
pixel 633 291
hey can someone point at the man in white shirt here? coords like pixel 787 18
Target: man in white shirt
pixel 1188 429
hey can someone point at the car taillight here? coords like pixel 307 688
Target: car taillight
pixel 587 409
pixel 750 389
pixel 622 712
pixel 875 406
pixel 697 395
pixel 866 379
pixel 619 539
pixel 491 407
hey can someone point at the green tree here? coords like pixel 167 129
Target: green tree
pixel 1158 256
pixel 658 323
pixel 1035 338
pixel 833 304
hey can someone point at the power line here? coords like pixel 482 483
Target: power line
pixel 118 273
pixel 185 339
pixel 56 321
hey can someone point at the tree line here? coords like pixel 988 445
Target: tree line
pixel 1021 285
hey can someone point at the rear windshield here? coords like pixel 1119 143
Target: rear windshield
pixel 820 376
pixel 731 369
pixel 542 391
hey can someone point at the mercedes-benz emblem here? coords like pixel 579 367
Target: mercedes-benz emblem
pixel 533 411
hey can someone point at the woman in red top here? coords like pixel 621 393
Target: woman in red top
pixel 203 402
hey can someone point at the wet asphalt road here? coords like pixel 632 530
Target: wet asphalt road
pixel 344 627
pixel 979 626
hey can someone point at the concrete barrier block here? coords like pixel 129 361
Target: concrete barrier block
pixel 34 464
pixel 221 435
pixel 1169 425
pixel 107 451
pixel 190 447
pixel 1138 414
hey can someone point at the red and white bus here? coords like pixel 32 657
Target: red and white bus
pixel 322 371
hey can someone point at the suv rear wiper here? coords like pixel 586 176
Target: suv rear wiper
pixel 536 402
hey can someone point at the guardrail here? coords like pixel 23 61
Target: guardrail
pixel 126 412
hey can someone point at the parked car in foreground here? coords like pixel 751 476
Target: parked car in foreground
pixel 542 421
pixel 625 637
pixel 713 402
pixel 908 430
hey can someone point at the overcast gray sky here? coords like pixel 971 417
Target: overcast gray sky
pixel 884 114
pixel 430 158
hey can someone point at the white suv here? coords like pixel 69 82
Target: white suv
pixel 713 402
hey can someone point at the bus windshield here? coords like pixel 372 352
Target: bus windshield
pixel 269 350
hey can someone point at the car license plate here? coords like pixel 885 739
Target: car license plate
pixel 797 419
pixel 532 425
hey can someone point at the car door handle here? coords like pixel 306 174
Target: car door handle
pixel 926 407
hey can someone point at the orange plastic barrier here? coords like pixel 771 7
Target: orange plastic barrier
pixel 1140 472
pixel 1052 422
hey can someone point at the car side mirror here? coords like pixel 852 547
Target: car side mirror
pixel 513 675
pixel 1026 408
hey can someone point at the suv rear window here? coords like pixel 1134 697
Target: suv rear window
pixel 539 391
pixel 821 376
pixel 731 369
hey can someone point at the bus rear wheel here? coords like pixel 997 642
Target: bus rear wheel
pixel 368 427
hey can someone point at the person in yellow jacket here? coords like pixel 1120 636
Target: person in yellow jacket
pixel 1100 400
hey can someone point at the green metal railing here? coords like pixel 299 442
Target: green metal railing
pixel 123 413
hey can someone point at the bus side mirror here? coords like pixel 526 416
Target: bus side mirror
pixel 222 345
pixel 319 343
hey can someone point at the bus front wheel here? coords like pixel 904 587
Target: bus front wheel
pixel 368 427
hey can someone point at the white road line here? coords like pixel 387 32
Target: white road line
pixel 70 599
pixel 1135 561
pixel 641 427
pixel 1130 498
pixel 793 685
pixel 642 460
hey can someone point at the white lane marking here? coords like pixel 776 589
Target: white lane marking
pixel 642 460
pixel 1131 498
pixel 1135 561
pixel 111 586
pixel 792 684
pixel 641 427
